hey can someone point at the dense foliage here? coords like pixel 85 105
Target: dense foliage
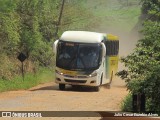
pixel 25 27
pixel 29 26
pixel 143 65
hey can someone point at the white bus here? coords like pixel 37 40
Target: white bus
pixel 85 58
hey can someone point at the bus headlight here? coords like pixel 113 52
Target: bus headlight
pixel 93 74
pixel 59 72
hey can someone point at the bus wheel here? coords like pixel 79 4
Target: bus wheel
pixel 97 88
pixel 61 86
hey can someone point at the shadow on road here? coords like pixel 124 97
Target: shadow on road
pixel 68 88
pixel 45 88
pixel 80 89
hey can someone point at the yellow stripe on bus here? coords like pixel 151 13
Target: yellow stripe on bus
pixel 67 72
pixel 111 37
pixel 113 64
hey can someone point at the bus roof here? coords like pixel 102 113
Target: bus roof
pixel 82 36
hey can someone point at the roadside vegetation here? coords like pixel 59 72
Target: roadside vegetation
pixel 31 27
pixel 143 64
pixel 30 80
pixel 126 104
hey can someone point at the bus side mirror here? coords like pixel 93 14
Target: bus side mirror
pixel 55 47
pixel 103 50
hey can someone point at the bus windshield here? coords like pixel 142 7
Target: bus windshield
pixel 78 56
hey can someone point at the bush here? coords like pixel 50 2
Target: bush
pixel 142 75
pixel 126 104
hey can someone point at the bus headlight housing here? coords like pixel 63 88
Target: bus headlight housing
pixel 59 72
pixel 93 74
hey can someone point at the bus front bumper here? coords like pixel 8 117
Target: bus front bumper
pixel 85 80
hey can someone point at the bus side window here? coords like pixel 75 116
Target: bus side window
pixel 117 47
pixel 112 48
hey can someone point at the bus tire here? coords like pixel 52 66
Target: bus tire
pixel 61 86
pixel 97 88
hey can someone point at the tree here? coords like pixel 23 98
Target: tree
pixel 26 26
pixel 75 19
pixel 143 65
pixel 29 26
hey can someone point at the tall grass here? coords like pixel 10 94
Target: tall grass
pixel 30 80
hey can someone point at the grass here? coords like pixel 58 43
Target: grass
pixel 30 80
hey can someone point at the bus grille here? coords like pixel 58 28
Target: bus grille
pixel 75 81
pixel 78 76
